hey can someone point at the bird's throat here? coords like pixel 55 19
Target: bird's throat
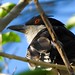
pixel 32 32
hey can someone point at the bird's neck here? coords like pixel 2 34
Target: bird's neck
pixel 33 32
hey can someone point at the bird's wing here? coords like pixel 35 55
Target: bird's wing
pixel 38 51
pixel 64 33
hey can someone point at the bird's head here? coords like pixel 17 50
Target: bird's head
pixel 33 26
pixel 34 23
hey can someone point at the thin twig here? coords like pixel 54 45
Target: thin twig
pixel 54 38
pixel 44 64
pixel 13 13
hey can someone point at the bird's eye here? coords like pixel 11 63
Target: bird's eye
pixel 37 21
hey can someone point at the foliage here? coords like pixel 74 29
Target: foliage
pixel 5 8
pixel 71 22
pixel 10 37
pixel 1 58
pixel 36 72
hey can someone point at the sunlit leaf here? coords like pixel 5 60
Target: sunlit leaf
pixel 10 37
pixel 71 23
pixel 5 9
pixel 36 72
pixel 1 58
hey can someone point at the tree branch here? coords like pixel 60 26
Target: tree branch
pixel 13 13
pixel 54 38
pixel 44 64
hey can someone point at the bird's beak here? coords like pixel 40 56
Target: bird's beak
pixel 19 28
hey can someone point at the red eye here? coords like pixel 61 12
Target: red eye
pixel 37 21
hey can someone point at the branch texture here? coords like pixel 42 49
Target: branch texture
pixel 44 64
pixel 54 37
pixel 13 13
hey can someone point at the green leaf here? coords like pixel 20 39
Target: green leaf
pixel 71 23
pixel 1 58
pixel 10 37
pixel 2 13
pixel 5 9
pixel 36 72
pixel 8 6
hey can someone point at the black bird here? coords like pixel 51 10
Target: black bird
pixel 41 47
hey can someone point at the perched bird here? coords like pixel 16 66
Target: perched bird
pixel 41 46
